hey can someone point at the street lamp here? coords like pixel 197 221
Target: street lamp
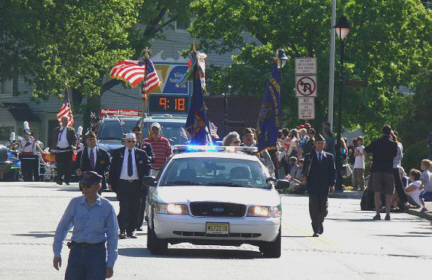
pixel 342 29
pixel 281 57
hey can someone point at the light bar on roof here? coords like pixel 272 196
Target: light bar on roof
pixel 204 148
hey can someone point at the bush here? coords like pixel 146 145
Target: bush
pixel 414 155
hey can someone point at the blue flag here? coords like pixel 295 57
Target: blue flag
pixel 196 123
pixel 269 117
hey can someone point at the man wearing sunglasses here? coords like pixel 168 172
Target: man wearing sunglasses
pixel 94 221
pixel 129 165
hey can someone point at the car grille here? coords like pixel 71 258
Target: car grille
pixel 217 209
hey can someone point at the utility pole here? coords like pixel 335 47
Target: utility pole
pixel 332 65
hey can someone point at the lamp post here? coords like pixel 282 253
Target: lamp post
pixel 342 29
pixel 226 110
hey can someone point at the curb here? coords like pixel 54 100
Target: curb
pixel 424 215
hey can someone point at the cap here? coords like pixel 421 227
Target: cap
pixel 130 135
pixel 136 129
pixel 300 126
pixel 307 125
pixel 319 137
pixel 90 134
pixel 156 125
pixel 90 177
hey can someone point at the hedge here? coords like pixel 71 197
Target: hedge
pixel 414 154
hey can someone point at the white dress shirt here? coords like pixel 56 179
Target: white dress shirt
pixel 124 171
pixel 320 158
pixel 62 141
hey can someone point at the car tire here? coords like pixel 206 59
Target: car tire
pixel 155 245
pixel 272 249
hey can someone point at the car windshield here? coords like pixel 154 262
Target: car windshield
pixel 214 172
pixel 113 130
pixel 170 130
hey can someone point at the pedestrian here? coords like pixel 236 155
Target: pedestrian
pixel 359 165
pixel 28 154
pixel 310 143
pixel 128 167
pixel 320 174
pixel 413 190
pixel 264 156
pixel 161 147
pixel 64 145
pixel 383 151
pixel 93 158
pixel 231 139
pixel 329 140
pixel 147 147
pixel 426 185
pixel 94 223
pixel 397 165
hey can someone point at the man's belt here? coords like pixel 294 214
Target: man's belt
pixel 84 244
pixel 130 181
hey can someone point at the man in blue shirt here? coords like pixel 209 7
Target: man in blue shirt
pixel 94 221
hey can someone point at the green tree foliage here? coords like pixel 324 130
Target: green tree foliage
pixel 389 42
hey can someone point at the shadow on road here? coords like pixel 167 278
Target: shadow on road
pixel 37 234
pixel 192 253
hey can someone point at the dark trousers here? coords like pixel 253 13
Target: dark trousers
pixel 318 204
pixel 129 196
pixel 28 165
pixel 64 166
pixel 142 207
pixel 399 187
pixel 86 263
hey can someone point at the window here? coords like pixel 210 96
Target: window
pixel 181 27
pixel 7 87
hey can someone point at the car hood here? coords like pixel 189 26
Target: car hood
pixel 248 196
pixel 109 145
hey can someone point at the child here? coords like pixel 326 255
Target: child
pixel 426 185
pixel 413 189
pixel 359 165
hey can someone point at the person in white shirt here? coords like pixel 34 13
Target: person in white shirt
pixel 359 165
pixel 413 190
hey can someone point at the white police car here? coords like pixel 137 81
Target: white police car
pixel 214 198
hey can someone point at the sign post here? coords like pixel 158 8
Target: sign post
pixel 306 86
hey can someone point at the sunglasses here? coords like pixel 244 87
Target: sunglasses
pixel 130 141
pixel 236 142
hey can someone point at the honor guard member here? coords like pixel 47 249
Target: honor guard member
pixel 320 173
pixel 28 154
pixel 94 221
pixel 92 158
pixel 129 165
pixel 64 144
pixel 149 150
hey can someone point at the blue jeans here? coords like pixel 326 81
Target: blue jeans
pixel 86 263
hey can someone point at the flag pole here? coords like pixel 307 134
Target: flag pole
pixel 144 94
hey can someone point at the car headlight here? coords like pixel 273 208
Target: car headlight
pixel 263 211
pixel 171 208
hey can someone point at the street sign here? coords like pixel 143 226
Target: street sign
pixel 306 108
pixel 306 86
pixel 305 65
pixel 356 83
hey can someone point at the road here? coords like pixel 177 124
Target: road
pixel 352 247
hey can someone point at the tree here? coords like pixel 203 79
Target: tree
pixel 388 43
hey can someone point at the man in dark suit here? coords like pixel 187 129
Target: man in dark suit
pixel 64 141
pixel 320 173
pixel 92 158
pixel 129 165
pixel 147 147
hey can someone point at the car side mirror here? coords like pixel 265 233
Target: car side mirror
pixel 282 184
pixel 270 179
pixel 149 181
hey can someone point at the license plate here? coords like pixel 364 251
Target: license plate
pixel 217 228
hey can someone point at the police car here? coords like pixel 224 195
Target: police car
pixel 214 196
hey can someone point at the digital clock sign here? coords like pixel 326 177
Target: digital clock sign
pixel 169 103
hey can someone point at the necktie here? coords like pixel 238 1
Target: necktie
pixel 92 159
pixel 130 170
pixel 320 156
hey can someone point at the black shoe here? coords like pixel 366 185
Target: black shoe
pixel 321 229
pixel 59 183
pixel 67 183
pixel 377 217
pixel 131 235
pixel 387 217
pixel 139 229
pixel 315 234
pixel 122 235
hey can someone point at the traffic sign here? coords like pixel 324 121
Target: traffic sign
pixel 306 86
pixel 306 108
pixel 305 65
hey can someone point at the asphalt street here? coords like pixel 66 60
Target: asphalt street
pixel 352 246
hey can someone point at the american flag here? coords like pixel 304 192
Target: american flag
pixel 130 71
pixel 151 79
pixel 66 111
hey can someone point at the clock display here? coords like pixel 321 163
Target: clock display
pixel 164 103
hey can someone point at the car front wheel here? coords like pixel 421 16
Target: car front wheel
pixel 155 245
pixel 272 249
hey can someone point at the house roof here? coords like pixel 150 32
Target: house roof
pixel 21 112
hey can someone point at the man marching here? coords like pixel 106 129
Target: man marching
pixel 28 154
pixel 128 167
pixel 64 143
pixel 92 158
pixel 320 173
